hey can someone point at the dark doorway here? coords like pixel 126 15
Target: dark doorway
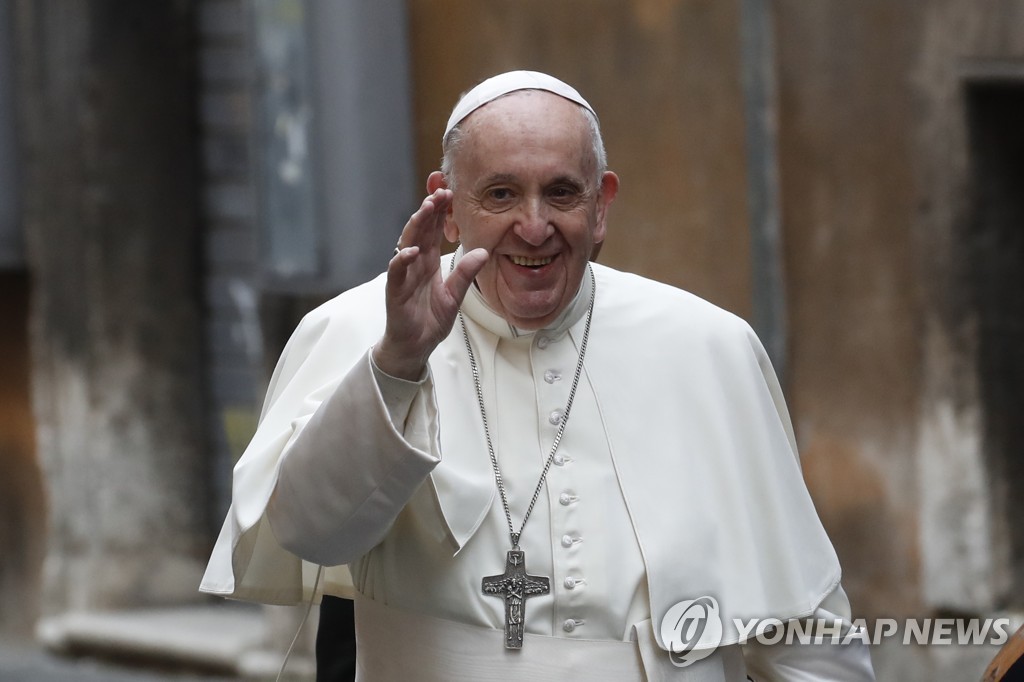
pixel 995 250
pixel 22 508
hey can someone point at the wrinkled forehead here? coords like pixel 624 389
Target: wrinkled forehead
pixel 540 123
pixel 503 84
pixel 526 109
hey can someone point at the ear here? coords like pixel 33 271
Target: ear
pixel 436 181
pixel 609 188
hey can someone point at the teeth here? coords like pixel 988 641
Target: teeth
pixel 531 262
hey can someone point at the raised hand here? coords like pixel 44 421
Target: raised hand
pixel 421 304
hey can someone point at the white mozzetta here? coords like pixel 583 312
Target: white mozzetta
pixel 705 495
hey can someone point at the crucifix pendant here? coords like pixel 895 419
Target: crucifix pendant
pixel 515 585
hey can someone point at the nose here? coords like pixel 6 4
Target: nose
pixel 532 223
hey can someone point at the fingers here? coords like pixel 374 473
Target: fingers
pixel 465 272
pixel 398 267
pixel 426 225
pixel 420 236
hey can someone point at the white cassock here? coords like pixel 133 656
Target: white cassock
pixel 676 478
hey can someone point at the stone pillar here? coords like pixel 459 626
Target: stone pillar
pixel 107 110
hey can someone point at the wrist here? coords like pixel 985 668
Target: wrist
pixel 397 364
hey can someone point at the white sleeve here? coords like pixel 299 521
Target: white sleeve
pixel 398 394
pixel 354 465
pixel 840 656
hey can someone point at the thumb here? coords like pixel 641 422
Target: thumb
pixel 468 267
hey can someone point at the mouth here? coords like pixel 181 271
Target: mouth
pixel 531 262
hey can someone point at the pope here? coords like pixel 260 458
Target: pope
pixel 520 463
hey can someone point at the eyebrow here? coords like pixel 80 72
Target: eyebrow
pixel 503 178
pixel 569 180
pixel 498 178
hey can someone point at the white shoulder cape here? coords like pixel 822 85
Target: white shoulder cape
pixel 699 434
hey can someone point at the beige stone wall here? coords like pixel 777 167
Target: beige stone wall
pixel 853 281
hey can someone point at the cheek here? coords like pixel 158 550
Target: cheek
pixel 487 233
pixel 585 229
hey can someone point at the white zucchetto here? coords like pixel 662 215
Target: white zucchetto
pixel 502 84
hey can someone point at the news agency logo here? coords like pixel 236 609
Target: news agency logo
pixel 691 630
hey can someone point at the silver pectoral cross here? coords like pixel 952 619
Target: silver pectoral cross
pixel 515 585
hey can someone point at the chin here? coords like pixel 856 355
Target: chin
pixel 531 309
pixel 534 317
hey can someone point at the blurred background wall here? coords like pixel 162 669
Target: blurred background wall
pixel 193 176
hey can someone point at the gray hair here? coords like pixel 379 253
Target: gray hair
pixel 454 139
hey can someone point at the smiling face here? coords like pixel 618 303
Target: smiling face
pixel 527 191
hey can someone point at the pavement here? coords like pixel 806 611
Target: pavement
pixel 29 662
pixel 217 643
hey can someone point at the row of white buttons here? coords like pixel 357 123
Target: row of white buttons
pixel 570 582
pixel 565 499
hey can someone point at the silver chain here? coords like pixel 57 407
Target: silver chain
pixel 514 536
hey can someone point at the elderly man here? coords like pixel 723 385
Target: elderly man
pixel 527 461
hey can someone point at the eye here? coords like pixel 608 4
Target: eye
pixel 564 195
pixel 498 198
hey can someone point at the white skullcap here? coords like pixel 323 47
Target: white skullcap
pixel 502 84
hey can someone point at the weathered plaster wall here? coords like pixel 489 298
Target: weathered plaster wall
pixel 107 115
pixel 884 351
pixel 966 508
pixel 846 111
